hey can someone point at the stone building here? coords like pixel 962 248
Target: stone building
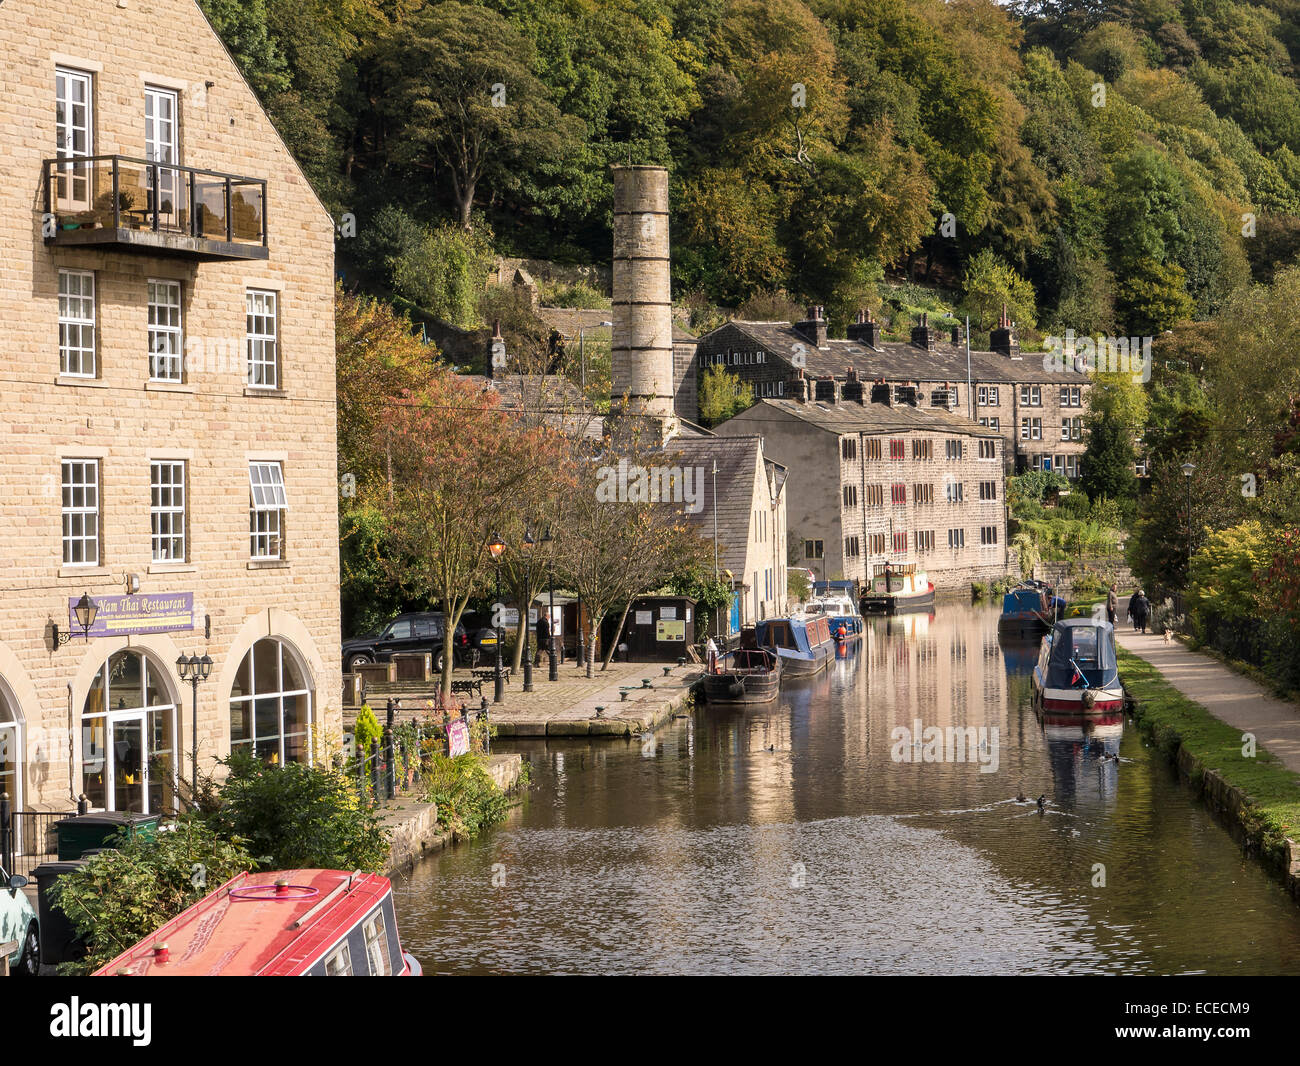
pixel 874 485
pixel 750 511
pixel 167 443
pixel 1038 412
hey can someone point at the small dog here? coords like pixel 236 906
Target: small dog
pixel 1169 636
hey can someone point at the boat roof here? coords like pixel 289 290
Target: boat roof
pixel 1077 623
pixel 225 935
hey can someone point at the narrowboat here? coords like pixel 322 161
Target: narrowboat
pixel 896 589
pixel 744 676
pixel 1077 671
pixel 1029 611
pixel 837 607
pixel 281 923
pixel 804 645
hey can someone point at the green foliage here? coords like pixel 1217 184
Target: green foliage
pixel 573 294
pixel 366 731
pixel 298 816
pixel 1226 572
pixel 990 285
pixel 797 586
pixel 121 896
pixel 467 799
pixel 722 395
pixel 1109 458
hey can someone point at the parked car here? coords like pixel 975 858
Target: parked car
pixel 482 637
pixel 420 631
pixel 18 922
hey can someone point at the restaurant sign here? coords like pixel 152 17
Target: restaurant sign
pixel 142 613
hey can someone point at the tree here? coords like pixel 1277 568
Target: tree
pixel 1109 458
pixel 723 395
pixel 461 98
pixel 460 466
pixel 990 285
pixel 620 538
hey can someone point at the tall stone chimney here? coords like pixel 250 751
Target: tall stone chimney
pixel 1004 340
pixel 865 330
pixel 642 349
pixel 923 335
pixel 813 327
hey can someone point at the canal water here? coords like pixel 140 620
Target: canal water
pixel 812 837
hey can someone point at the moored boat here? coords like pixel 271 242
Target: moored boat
pixel 804 645
pixel 744 676
pixel 838 608
pixel 895 589
pixel 280 923
pixel 1029 611
pixel 1077 671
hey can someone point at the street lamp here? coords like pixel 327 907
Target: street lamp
pixel 495 547
pixel 84 611
pixel 554 669
pixel 194 670
pixel 528 595
pixel 1188 470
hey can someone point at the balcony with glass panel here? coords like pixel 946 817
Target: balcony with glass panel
pixel 135 205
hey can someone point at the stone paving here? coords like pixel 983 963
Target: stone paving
pixel 567 707
pixel 1229 696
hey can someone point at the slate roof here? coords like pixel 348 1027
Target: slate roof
pixel 853 417
pixel 736 458
pixel 898 361
pixel 568 320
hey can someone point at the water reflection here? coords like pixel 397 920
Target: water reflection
pixel 788 838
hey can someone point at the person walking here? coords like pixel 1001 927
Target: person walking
pixel 1133 609
pixel 543 637
pixel 1112 605
pixel 1141 610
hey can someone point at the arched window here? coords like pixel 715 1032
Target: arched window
pixel 11 750
pixel 270 704
pixel 128 736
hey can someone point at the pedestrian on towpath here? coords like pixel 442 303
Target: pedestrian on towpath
pixel 1141 610
pixel 1112 605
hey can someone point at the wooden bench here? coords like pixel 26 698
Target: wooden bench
pixel 467 685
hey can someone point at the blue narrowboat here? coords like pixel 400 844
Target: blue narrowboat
pixel 804 645
pixel 1029 611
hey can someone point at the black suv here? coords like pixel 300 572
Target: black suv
pixel 417 632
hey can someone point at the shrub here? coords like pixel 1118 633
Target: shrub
pixel 366 731
pixel 119 897
pixel 467 798
pixel 297 815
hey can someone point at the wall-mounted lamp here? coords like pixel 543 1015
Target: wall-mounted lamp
pixel 84 610
pixel 132 583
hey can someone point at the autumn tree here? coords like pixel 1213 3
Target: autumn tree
pixel 460 465
pixel 723 395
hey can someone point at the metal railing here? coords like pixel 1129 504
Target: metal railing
pixel 27 838
pixel 395 760
pixel 125 193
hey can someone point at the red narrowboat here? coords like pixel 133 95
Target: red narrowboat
pixel 281 923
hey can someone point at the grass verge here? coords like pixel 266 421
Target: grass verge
pixel 1270 811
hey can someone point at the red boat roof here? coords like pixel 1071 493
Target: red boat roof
pixel 238 936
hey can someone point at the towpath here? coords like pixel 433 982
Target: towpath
pixel 1229 696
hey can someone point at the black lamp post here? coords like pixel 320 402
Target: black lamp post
pixel 194 670
pixel 1188 470
pixel 528 590
pixel 84 611
pixel 495 547
pixel 553 674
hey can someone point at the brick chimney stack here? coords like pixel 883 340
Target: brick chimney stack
pixel 813 327
pixel 851 390
pixel 1004 340
pixel 865 330
pixel 923 335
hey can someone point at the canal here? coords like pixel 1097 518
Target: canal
pixel 808 837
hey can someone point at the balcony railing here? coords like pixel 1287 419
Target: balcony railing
pixel 156 208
